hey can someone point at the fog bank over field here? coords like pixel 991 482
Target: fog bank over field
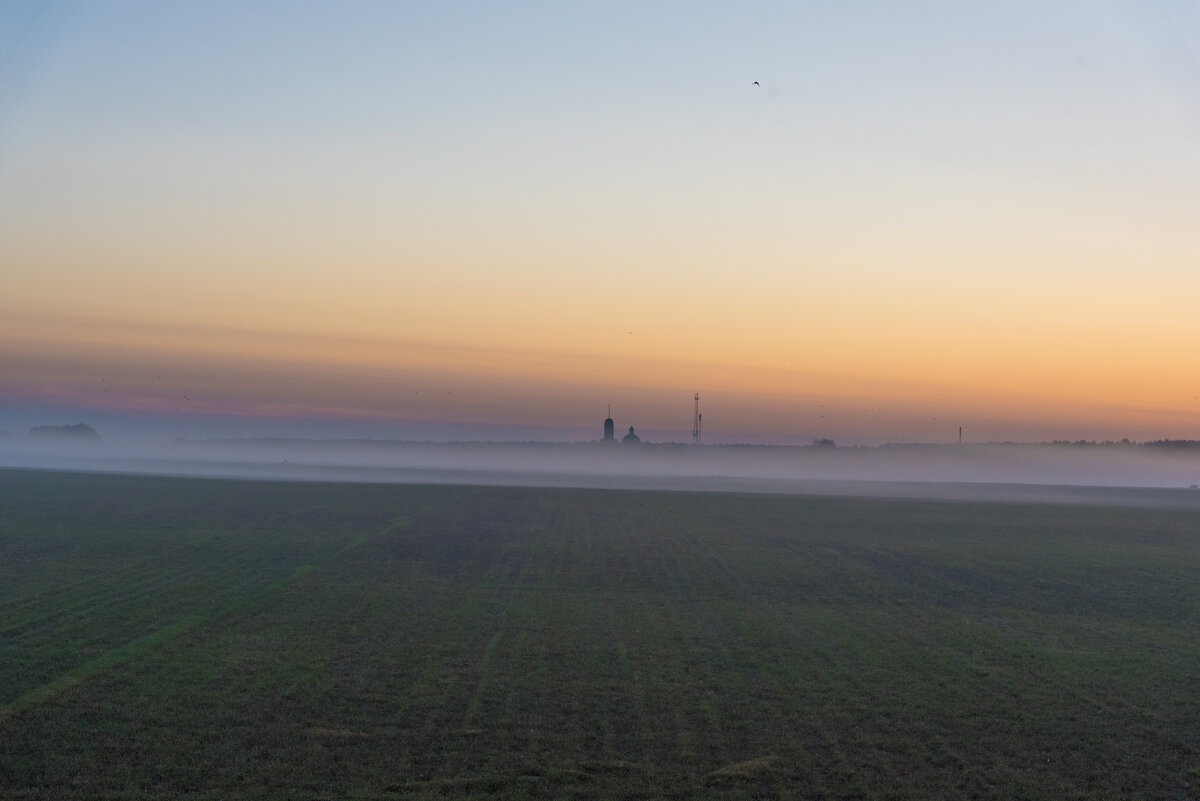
pixel 1017 471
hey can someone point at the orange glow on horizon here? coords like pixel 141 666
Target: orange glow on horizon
pixel 194 370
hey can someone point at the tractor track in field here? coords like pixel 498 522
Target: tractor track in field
pixel 153 584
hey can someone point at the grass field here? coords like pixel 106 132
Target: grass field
pixel 164 638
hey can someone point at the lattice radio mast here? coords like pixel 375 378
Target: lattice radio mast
pixel 696 421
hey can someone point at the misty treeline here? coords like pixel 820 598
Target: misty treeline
pixel 78 430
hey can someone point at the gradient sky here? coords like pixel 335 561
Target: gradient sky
pixel 497 218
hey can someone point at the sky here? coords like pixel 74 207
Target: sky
pixel 493 220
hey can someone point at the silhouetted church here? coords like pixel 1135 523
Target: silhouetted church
pixel 610 433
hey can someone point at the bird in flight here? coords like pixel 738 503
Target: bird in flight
pixel 756 83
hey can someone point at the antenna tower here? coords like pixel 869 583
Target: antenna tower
pixel 696 421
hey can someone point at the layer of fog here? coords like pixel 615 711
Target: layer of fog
pixel 1009 471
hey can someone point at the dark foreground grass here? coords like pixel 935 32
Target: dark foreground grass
pixel 164 638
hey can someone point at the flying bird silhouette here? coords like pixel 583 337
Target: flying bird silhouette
pixel 756 83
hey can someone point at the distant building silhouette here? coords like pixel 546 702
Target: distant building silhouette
pixel 609 435
pixel 630 438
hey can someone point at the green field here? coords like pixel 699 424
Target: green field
pixel 165 638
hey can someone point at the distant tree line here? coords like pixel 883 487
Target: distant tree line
pixel 79 430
